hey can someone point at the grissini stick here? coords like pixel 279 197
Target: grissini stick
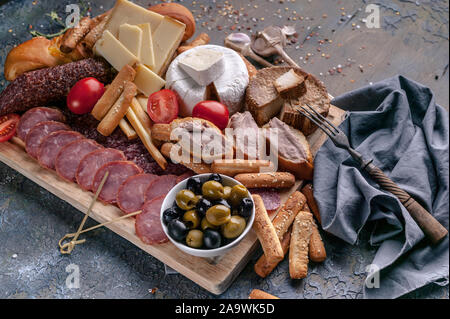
pixel 299 247
pixel 259 294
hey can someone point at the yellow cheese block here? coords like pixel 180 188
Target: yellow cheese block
pixel 127 12
pixel 147 55
pixel 131 38
pixel 166 39
pixel 114 51
pixel 147 81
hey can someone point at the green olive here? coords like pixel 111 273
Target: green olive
pixel 191 219
pixel 186 199
pixel 218 215
pixel 212 190
pixel 194 238
pixel 234 227
pixel 205 224
pixel 226 192
pixel 238 192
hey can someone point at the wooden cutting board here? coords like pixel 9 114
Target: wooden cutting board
pixel 213 275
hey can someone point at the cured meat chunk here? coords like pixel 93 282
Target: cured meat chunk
pixel 131 194
pixel 91 162
pixel 52 144
pixel 119 171
pixel 148 223
pixel 69 157
pixel 37 134
pixel 160 187
pixel 270 197
pixel 36 116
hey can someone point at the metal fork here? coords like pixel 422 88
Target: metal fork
pixel 429 225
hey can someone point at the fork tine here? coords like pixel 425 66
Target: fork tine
pixel 316 121
pixel 323 118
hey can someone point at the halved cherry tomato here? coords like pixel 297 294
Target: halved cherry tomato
pixel 84 95
pixel 212 111
pixel 8 124
pixel 162 106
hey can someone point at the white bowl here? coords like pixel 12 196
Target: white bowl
pixel 169 201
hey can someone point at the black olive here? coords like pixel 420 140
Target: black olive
pixel 203 205
pixel 177 230
pixel 245 207
pixel 215 177
pixel 194 184
pixel 222 202
pixel 170 214
pixel 212 239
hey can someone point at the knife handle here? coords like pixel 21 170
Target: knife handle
pixel 429 225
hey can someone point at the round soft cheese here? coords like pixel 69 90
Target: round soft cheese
pixel 229 87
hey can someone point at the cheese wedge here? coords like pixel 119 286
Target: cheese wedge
pixel 203 65
pixel 127 12
pixel 131 38
pixel 147 55
pixel 147 81
pixel 114 51
pixel 166 39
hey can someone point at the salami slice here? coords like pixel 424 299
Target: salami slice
pixel 69 157
pixel 148 223
pixel 130 197
pixel 37 134
pixel 36 116
pixel 91 162
pixel 160 186
pixel 52 144
pixel 119 171
pixel 270 197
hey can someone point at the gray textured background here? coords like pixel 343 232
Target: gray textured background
pixel 413 41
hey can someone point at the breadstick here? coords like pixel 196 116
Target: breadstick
pixel 161 132
pixel 198 168
pixel 118 110
pixel 237 166
pixel 259 294
pixel 288 212
pixel 264 268
pixel 266 232
pixel 299 247
pixel 308 192
pixel 127 129
pixel 317 252
pixel 74 35
pixel 266 180
pixel 97 30
pixel 201 39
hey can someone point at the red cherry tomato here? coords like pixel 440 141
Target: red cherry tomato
pixel 162 106
pixel 84 94
pixel 8 124
pixel 212 111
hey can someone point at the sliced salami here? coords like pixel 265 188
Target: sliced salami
pixel 148 223
pixel 69 157
pixel 52 144
pixel 270 197
pixel 130 197
pixel 184 176
pixel 35 116
pixel 118 173
pixel 160 186
pixel 91 162
pixel 37 134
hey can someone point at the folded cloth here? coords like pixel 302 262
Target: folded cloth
pixel 397 123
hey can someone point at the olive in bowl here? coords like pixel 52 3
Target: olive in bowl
pixel 208 223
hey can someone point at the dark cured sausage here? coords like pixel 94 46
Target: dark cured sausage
pixel 69 157
pixel 36 116
pixel 91 162
pixel 52 144
pixel 46 86
pixel 148 223
pixel 160 187
pixel 131 194
pixel 39 132
pixel 118 173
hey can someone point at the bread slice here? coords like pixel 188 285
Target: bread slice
pixel 290 85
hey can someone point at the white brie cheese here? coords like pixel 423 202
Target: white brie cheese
pixel 203 65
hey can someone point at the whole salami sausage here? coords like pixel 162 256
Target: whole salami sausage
pixel 52 144
pixel 45 86
pixel 69 157
pixel 131 194
pixel 160 186
pixel 148 223
pixel 35 116
pixel 91 162
pixel 39 132
pixel 118 173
